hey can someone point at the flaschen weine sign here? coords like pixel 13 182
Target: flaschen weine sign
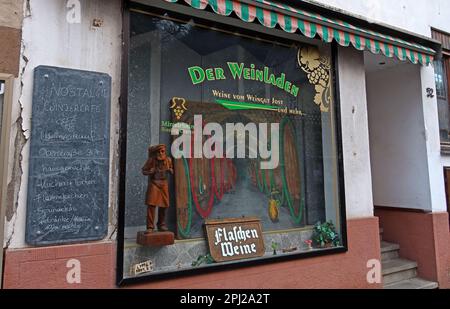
pixel 235 239
pixel 69 156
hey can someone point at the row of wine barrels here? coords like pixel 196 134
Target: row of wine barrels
pixel 200 184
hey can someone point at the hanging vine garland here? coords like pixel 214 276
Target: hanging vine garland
pixel 218 192
pixel 259 178
pixel 252 174
pixel 234 174
pixel 266 182
pixel 204 213
pixel 185 232
pixel 296 217
pixel 231 174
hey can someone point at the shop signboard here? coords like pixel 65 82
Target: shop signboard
pixel 235 239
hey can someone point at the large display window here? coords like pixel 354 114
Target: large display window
pixel 230 149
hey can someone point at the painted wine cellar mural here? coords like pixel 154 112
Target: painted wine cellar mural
pixel 231 148
pixel 217 187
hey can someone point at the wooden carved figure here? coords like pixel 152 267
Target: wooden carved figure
pixel 156 168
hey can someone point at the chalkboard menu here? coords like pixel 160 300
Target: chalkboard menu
pixel 69 157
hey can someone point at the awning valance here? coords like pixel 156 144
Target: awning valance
pixel 291 19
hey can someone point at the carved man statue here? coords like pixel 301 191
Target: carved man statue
pixel 156 168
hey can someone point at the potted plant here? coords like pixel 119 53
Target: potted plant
pixel 325 235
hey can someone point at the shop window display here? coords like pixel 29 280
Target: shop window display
pixel 231 149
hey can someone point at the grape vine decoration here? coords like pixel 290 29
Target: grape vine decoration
pixel 317 68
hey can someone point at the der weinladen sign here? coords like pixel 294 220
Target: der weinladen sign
pixel 235 239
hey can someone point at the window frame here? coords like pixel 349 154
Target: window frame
pixel 445 146
pixel 5 132
pixel 444 38
pixel 221 22
pixel 445 74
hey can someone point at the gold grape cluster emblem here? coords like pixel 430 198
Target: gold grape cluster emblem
pixel 317 68
pixel 178 107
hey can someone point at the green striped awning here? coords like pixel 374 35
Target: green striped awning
pixel 292 19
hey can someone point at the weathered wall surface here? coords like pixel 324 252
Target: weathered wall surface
pixel 50 39
pixel 10 34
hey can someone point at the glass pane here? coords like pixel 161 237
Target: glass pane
pixel 255 139
pixel 441 79
pixel 443 104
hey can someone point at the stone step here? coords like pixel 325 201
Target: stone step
pixel 412 284
pixel 398 270
pixel 389 251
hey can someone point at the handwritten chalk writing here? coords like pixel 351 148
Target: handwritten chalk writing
pixel 59 153
pixel 62 197
pixel 73 108
pixel 71 91
pixel 85 182
pixel 69 168
pixel 81 219
pixel 47 184
pixel 68 123
pixel 94 152
pixel 66 137
pixel 64 223
pixel 56 219
pixel 55 183
pixel 63 169
pixel 64 209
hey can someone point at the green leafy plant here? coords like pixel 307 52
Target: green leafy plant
pixel 275 247
pixel 325 235
pixel 203 259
